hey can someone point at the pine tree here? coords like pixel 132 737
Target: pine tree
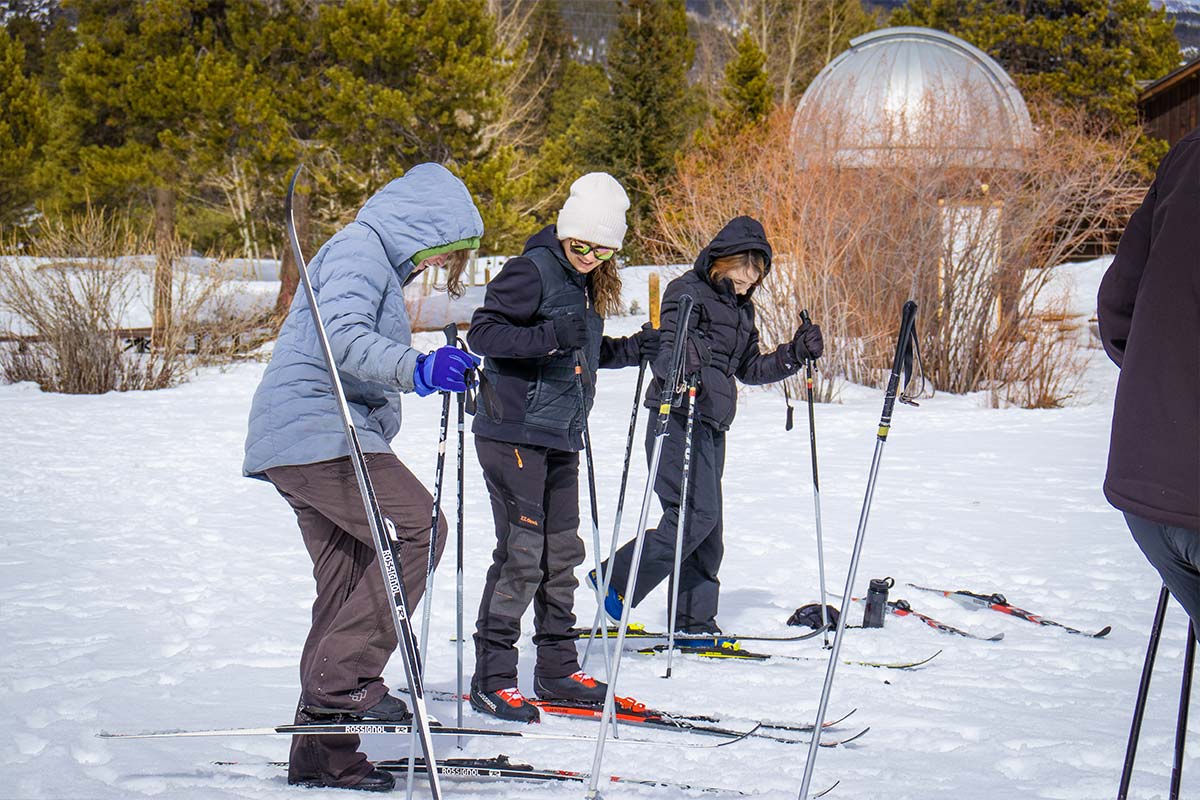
pixel 152 99
pixel 650 110
pixel 23 117
pixel 403 83
pixel 573 137
pixel 1088 53
pixel 799 39
pixel 747 91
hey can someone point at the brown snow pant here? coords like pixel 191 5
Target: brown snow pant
pixel 352 632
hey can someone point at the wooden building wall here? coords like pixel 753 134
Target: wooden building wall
pixel 1170 108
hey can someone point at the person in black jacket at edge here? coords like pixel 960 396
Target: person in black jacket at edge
pixel 1149 312
pixel 722 345
pixel 543 311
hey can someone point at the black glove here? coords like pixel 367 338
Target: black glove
pixel 570 331
pixel 647 340
pixel 807 343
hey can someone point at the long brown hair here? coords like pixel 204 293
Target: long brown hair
pixel 726 264
pixel 456 263
pixel 606 288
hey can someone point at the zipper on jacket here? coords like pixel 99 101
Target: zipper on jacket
pixel 520 463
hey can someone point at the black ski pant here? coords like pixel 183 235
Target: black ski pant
pixel 535 503
pixel 352 634
pixel 1175 553
pixel 703 544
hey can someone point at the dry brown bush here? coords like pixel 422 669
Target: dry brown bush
pixel 969 244
pixel 66 317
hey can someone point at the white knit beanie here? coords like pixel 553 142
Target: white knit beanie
pixel 594 211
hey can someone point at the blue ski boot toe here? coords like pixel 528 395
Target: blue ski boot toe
pixel 614 604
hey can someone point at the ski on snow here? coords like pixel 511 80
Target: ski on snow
pixel 736 653
pixel 997 602
pixel 638 631
pixel 371 728
pixel 501 767
pixel 902 608
pixel 635 713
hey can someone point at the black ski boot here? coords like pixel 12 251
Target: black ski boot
pixel 578 686
pixel 508 704
pixel 377 780
pixel 389 709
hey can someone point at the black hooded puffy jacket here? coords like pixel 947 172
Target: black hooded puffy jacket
pixel 725 325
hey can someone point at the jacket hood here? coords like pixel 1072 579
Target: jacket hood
pixel 426 208
pixel 739 235
pixel 546 237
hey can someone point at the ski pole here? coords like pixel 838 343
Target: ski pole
pixel 664 412
pixel 591 476
pixel 383 531
pixel 812 442
pixel 1139 706
pixel 1185 700
pixel 451 334
pixel 603 578
pixel 684 484
pixel 462 406
pixel 597 622
pixel 903 341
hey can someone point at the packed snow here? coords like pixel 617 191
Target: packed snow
pixel 147 585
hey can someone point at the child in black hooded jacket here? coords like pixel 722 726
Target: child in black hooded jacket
pixel 722 345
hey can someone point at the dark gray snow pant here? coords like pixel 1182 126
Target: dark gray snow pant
pixel 352 634
pixel 535 503
pixel 703 545
pixel 1175 553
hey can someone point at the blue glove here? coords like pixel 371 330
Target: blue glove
pixel 444 370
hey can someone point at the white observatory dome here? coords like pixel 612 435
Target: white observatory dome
pixel 912 96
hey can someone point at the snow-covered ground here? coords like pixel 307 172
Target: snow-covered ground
pixel 144 584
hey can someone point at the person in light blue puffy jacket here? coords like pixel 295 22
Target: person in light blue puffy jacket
pixel 297 441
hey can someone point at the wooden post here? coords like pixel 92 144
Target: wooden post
pixel 654 300
pixel 289 273
pixel 164 247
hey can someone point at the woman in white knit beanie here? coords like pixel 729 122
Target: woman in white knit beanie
pixel 542 317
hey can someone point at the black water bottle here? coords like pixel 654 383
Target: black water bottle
pixel 877 595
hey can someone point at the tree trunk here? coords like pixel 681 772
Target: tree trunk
pixel 164 255
pixel 289 272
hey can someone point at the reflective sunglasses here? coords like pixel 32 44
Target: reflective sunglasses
pixel 583 248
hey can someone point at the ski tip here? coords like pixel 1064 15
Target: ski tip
pixel 825 791
pixel 995 637
pixel 1105 631
pixel 743 737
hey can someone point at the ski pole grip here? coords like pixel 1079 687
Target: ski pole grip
pixel 908 318
pixel 686 302
pixel 451 334
pixel 655 301
pixel 808 362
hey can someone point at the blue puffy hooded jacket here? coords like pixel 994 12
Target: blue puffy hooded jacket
pixel 358 277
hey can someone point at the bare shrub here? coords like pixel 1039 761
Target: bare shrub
pixel 69 309
pixel 929 220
